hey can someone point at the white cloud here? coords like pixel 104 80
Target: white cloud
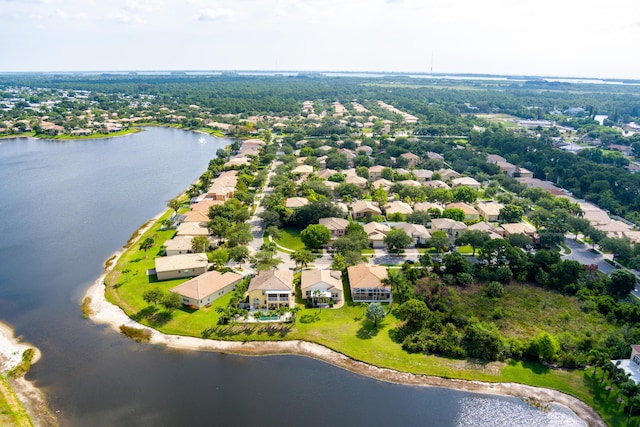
pixel 217 15
pixel 126 18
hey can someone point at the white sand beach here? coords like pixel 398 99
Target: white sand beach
pixel 11 349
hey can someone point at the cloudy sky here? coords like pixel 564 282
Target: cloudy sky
pixel 585 38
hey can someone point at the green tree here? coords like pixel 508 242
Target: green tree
pixel 274 232
pixel 219 258
pixel 464 194
pixel 375 313
pixel 380 196
pixel 621 283
pixel 153 296
pixel 239 254
pixel 511 213
pixel 302 257
pixel 338 263
pixel 219 227
pixel 239 234
pixel 199 244
pixel 545 347
pixel 397 239
pixel 414 312
pixel 315 236
pixel 474 238
pixel 171 301
pixel 174 204
pixel 439 240
pixel 454 213
pixel 265 260
pixel 494 290
pixel 146 245
pixel 620 247
pixel 271 218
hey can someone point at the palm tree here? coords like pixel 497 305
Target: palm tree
pixel 146 245
pixel 302 257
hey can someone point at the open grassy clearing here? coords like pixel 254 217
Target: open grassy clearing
pixel 290 239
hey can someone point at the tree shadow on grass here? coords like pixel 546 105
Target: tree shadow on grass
pixel 161 318
pixel 310 317
pixel 228 331
pixel 367 331
pixel 535 367
pixel 154 317
pixel 273 330
pixel 145 313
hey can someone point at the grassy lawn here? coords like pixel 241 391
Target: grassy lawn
pixel 347 330
pixel 290 239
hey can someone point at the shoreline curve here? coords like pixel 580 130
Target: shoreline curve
pixel 31 397
pixel 103 311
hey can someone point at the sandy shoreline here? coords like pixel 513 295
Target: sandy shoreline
pixel 107 313
pixel 33 400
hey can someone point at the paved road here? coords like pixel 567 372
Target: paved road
pixel 583 254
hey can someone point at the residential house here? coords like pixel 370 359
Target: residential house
pixel 365 282
pixel 382 183
pixel 412 159
pixel 519 228
pixel 423 175
pixel 470 214
pixel 363 207
pixel 375 172
pixel 357 180
pixel 271 289
pixel 410 183
pixel 202 290
pixel 376 231
pixel 398 207
pixel 495 159
pixel 447 174
pixel 304 170
pixel 485 227
pixel 205 204
pixel 326 173
pixel 425 206
pixel 178 266
pixel 434 156
pixel 178 245
pixel 417 232
pixel 337 226
pixel 192 229
pixel 490 211
pixel 545 185
pixel 364 149
pixel 224 186
pixel 453 228
pixel 436 183
pixel 196 216
pixel 466 182
pixel 327 282
pixel 237 162
pixel 296 202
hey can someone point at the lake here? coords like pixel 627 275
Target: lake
pixel 65 207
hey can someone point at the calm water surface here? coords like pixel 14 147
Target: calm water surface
pixel 65 207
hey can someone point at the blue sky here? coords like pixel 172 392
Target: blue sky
pixel 586 38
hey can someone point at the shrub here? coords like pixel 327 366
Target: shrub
pixel 138 335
